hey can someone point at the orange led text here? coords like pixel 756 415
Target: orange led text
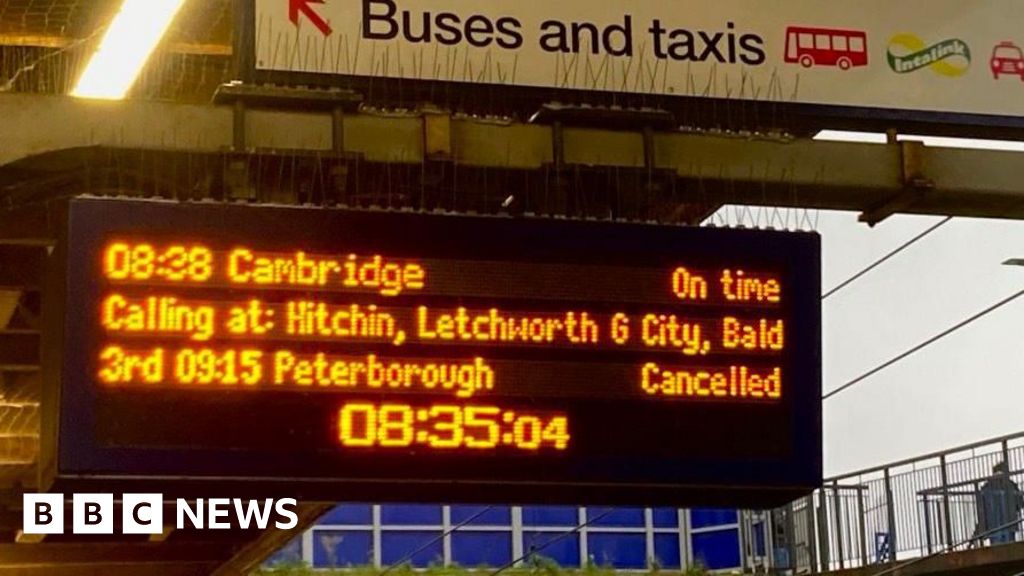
pixel 496 326
pixel 689 286
pixel 245 266
pixel 449 427
pixel 309 318
pixel 731 382
pixel 760 335
pixel 463 378
pixel 120 366
pixel 158 314
pixel 141 262
pixel 669 331
pixel 738 286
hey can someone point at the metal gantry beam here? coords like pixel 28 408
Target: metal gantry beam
pixel 721 168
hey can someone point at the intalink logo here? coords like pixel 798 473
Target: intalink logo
pixel 909 53
pixel 144 514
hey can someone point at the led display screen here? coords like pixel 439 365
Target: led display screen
pixel 343 354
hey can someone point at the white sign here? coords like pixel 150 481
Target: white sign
pixel 961 56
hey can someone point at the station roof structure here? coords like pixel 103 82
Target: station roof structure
pixel 172 139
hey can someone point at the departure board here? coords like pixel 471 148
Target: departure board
pixel 397 355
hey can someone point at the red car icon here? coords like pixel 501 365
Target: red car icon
pixel 1007 58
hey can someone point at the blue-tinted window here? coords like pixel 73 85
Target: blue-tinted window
pixel 618 550
pixel 759 548
pixel 666 550
pixel 628 517
pixel 340 548
pixel 564 550
pixel 550 516
pixel 472 549
pixel 485 515
pixel 418 514
pixel 704 517
pixel 348 514
pixel 396 546
pixel 290 554
pixel 717 550
pixel 665 517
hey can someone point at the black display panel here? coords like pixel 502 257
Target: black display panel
pixel 339 354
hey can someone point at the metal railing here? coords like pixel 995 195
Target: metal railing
pixel 904 510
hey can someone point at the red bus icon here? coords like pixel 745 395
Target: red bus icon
pixel 826 47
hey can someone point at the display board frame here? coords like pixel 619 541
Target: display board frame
pixel 261 443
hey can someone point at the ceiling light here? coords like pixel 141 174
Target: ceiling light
pixel 131 38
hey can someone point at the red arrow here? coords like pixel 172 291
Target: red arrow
pixel 303 6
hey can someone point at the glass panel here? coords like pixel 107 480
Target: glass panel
pixel 839 43
pixel 821 42
pixel 666 518
pixel 666 550
pixel 488 516
pixel 476 549
pixel 550 516
pixel 625 551
pixel 856 44
pixel 806 41
pixel 705 517
pixel 627 517
pixel 718 550
pixel 397 545
pixel 290 554
pixel 421 514
pixel 348 514
pixel 565 551
pixel 337 548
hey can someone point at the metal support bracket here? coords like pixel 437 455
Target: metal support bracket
pixel 242 97
pixel 916 185
pixel 238 185
pixel 558 183
pixel 238 126
pixel 437 134
pixel 648 121
pixel 439 153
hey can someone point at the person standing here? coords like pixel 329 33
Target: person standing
pixel 999 503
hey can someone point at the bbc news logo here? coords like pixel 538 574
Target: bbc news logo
pixel 144 514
